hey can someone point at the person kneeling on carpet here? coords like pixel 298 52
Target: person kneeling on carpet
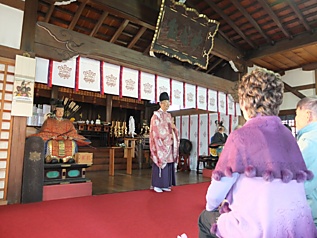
pixel 60 137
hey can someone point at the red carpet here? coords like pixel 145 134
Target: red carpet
pixel 135 214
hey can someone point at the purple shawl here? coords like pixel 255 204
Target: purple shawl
pixel 263 147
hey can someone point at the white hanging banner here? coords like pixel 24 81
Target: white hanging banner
pixel 178 124
pixel 64 73
pixel 130 82
pixel 201 98
pixel 221 102
pixel 238 110
pixel 89 74
pixel 203 135
pixel 212 101
pixel 162 85
pixel 185 127
pixel 41 71
pixel 23 86
pixel 193 137
pixel 190 96
pixel 111 78
pixel 230 105
pixel 177 97
pixel 147 86
pixel 235 123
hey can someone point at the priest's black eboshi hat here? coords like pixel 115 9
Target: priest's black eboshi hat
pixel 164 96
pixel 59 104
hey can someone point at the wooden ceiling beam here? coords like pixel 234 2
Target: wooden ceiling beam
pixel 214 65
pixel 132 10
pixel 147 50
pixel 308 67
pixel 119 31
pixel 285 45
pixel 49 13
pixel 304 87
pixel 294 91
pixel 227 38
pixel 299 15
pixel 136 11
pixel 228 53
pixel 8 52
pixel 99 23
pixel 287 112
pixel 229 21
pixel 251 20
pixel 18 4
pixel 51 43
pixel 77 14
pixel 274 17
pixel 137 37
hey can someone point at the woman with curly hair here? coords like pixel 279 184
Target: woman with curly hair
pixel 257 187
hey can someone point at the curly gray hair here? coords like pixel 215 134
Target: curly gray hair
pixel 261 91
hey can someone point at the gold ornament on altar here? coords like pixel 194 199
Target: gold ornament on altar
pixel 145 130
pixel 118 129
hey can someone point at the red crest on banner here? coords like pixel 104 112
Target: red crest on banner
pixel 190 97
pixel 111 80
pixel 130 84
pixel 148 88
pixel 89 76
pixel 64 71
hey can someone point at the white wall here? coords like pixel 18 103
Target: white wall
pixel 10 26
pixel 293 78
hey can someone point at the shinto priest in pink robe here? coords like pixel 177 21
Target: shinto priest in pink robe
pixel 164 144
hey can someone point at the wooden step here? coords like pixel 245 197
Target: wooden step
pixel 101 159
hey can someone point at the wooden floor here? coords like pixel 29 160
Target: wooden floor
pixel 140 179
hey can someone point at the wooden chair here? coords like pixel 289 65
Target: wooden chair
pixel 185 147
pixel 210 159
pixel 183 162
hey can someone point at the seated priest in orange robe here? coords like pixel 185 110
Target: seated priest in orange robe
pixel 60 137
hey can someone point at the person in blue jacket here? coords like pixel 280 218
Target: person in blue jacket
pixel 306 124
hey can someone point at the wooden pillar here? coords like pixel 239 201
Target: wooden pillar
pixel 108 108
pixel 29 23
pixel 54 92
pixel 16 160
pixel 149 109
pixel 141 118
pixel 19 123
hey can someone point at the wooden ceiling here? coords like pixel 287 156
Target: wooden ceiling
pixel 279 35
pixel 276 34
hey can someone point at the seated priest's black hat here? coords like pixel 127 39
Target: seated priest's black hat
pixel 164 96
pixel 59 104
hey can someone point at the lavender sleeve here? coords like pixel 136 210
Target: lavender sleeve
pixel 218 190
